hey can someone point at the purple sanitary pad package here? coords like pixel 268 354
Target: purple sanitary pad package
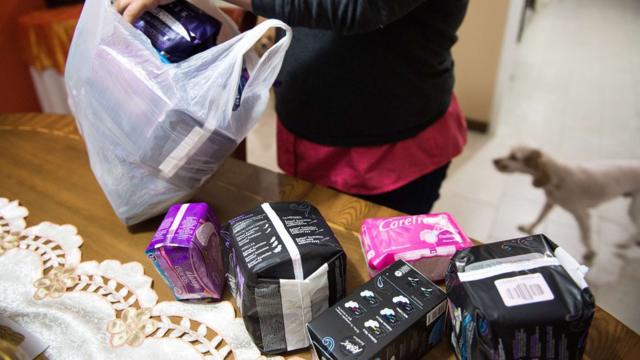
pixel 179 30
pixel 186 252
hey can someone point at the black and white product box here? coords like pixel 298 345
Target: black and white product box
pixel 523 298
pixel 399 314
pixel 284 267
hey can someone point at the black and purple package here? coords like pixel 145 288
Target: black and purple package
pixel 179 30
pixel 398 314
pixel 524 298
pixel 284 267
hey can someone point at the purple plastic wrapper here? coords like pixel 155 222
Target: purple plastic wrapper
pixel 179 30
pixel 244 78
pixel 186 252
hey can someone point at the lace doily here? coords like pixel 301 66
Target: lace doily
pixel 106 310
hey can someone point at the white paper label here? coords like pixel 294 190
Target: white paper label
pixel 183 152
pixel 524 289
pixel 439 310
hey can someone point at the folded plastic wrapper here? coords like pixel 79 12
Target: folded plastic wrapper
pixel 524 298
pixel 284 268
pixel 155 131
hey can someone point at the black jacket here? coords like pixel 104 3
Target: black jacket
pixel 365 72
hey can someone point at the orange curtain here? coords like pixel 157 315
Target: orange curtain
pixel 46 36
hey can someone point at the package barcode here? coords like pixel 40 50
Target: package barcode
pixel 439 310
pixel 524 289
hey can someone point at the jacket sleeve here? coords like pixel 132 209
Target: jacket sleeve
pixel 343 16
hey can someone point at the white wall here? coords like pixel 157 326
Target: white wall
pixel 484 55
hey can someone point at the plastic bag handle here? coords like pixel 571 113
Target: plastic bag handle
pixel 263 75
pixel 272 57
pixel 209 7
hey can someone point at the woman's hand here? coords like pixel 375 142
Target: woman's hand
pixel 132 9
pixel 266 41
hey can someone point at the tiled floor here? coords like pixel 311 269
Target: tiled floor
pixel 575 93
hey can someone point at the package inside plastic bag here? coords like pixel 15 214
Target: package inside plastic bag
pixel 156 131
pixel 179 30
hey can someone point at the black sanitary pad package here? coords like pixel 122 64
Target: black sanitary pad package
pixel 524 298
pixel 399 314
pixel 284 267
pixel 182 152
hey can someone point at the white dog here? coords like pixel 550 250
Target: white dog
pixel 577 188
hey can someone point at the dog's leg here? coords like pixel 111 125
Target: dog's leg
pixel 584 219
pixel 634 214
pixel 528 229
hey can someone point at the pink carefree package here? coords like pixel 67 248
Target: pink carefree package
pixel 425 241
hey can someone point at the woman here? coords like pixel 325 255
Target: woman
pixel 365 101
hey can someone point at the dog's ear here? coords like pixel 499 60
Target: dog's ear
pixel 541 176
pixel 532 157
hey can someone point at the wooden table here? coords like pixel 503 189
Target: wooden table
pixel 43 163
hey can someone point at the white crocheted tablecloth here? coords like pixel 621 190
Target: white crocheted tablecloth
pixel 107 310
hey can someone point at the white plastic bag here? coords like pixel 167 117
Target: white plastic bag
pixel 154 131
